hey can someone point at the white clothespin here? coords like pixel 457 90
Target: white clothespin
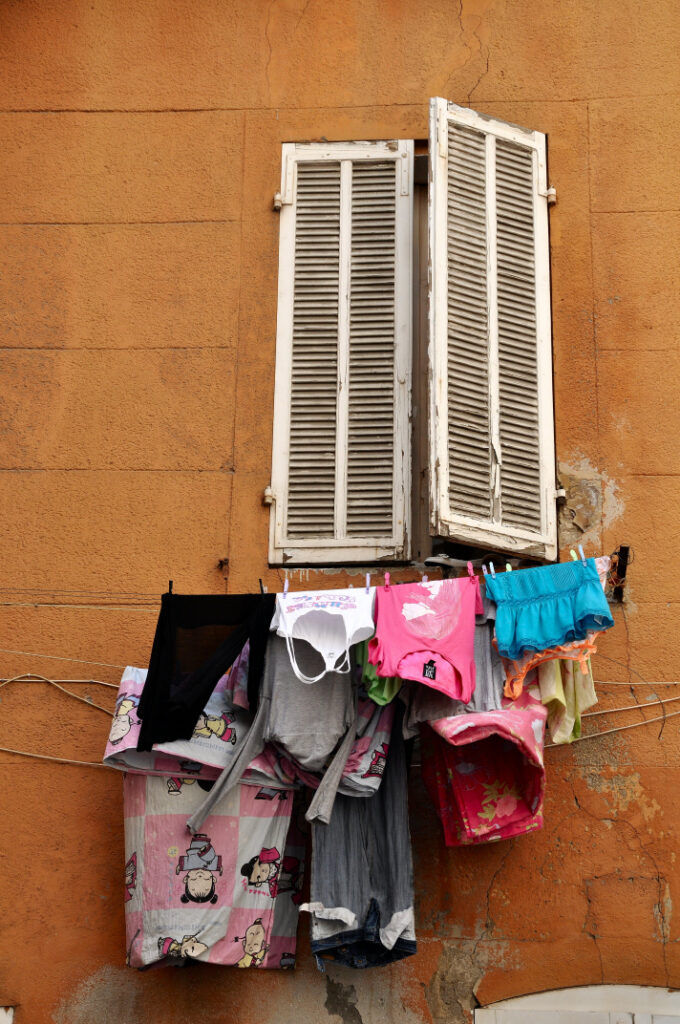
pixel 424 579
pixel 485 570
pixel 580 551
pixel 493 571
pixel 368 581
pixel 387 581
pixel 285 586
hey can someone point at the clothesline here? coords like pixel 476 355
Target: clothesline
pixel 608 732
pixel 36 678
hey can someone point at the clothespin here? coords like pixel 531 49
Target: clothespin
pixel 508 567
pixel 573 555
pixel 493 571
pixel 485 570
pixel 471 571
pixel 285 587
pixel 580 551
pixel 368 581
pixel 424 579
pixel 169 586
pixel 387 581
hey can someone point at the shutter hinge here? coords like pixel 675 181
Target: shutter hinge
pixel 560 494
pixel 551 195
pixel 285 196
pixel 268 496
pixel 281 200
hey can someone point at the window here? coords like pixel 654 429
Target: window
pixel 341 475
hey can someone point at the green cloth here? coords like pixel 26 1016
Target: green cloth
pixel 381 689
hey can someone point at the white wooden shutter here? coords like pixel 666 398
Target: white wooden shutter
pixel 340 474
pixel 492 453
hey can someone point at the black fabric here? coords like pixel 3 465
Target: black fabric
pixel 198 637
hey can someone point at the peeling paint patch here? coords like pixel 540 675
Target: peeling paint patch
pixel 593 502
pixel 623 790
pixel 451 994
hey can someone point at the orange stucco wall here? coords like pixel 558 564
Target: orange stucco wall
pixel 140 151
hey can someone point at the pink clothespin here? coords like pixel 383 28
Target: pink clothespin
pixel 471 572
pixel 424 579
pixel 387 581
pixel 485 570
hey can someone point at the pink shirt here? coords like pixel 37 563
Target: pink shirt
pixel 426 632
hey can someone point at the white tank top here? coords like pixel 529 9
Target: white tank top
pixel 329 620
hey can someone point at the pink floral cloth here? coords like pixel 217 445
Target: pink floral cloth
pixel 484 771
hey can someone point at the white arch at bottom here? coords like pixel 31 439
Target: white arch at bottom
pixel 590 1004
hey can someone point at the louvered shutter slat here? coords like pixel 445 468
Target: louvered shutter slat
pixel 520 469
pixel 491 430
pixel 315 328
pixel 371 350
pixel 340 469
pixel 468 420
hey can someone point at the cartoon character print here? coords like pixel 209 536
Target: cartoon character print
pixel 254 946
pixel 130 877
pixel 281 876
pixel 212 725
pixel 123 718
pixel 376 768
pixel 200 863
pixel 190 947
pixel 175 784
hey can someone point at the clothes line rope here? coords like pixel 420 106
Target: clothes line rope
pixel 51 682
pixel 60 760
pixel 57 657
pixel 607 732
pixel 629 707
pixel 32 677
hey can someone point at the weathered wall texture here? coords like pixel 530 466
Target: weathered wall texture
pixel 138 263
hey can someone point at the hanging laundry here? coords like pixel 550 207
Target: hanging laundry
pixel 381 689
pixel 197 639
pixel 365 765
pixel 219 734
pixel 229 895
pixel 361 897
pixel 547 606
pixel 484 772
pixel 567 692
pixel 579 651
pixel 289 714
pixel 330 621
pixel 424 704
pixel 425 632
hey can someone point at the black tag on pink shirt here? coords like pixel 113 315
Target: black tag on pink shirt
pixel 429 670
